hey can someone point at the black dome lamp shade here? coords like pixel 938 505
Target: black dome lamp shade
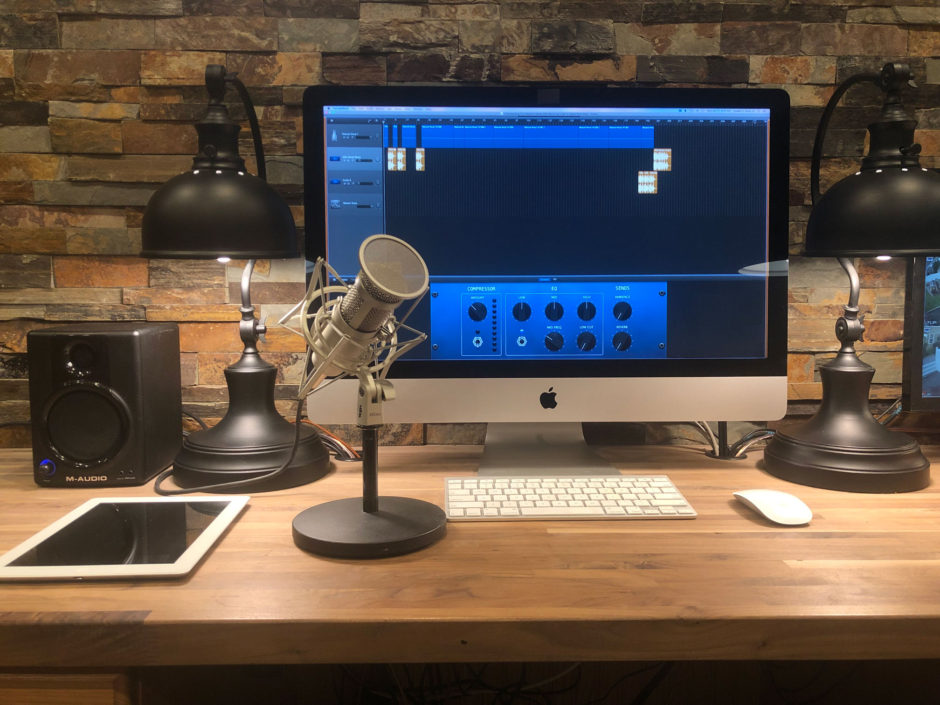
pixel 891 206
pixel 220 210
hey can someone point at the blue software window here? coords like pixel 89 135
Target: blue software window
pixel 571 233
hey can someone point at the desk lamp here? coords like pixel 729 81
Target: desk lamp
pixel 218 210
pixel 891 206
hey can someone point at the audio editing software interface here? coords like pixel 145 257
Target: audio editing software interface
pixel 556 232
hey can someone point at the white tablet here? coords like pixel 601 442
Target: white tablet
pixel 124 537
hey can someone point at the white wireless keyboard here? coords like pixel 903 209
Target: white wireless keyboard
pixel 584 497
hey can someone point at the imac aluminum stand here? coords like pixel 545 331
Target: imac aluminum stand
pixel 532 449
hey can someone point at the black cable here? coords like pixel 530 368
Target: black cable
pixel 619 681
pixel 198 420
pixel 652 684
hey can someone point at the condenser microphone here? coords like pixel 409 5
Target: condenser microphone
pixel 390 271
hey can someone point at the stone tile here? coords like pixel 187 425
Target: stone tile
pixel 574 37
pixel 79 136
pixel 158 299
pixel 91 194
pixel 354 69
pixel 681 13
pixel 175 68
pixel 515 37
pixel 87 295
pixel 760 38
pixel 283 169
pixel 15 112
pixel 282 69
pixel 190 113
pixel 398 35
pixel 534 68
pixel 694 69
pixel 118 241
pixel 17 192
pixel 887 366
pixel 573 10
pixel 13 367
pixel 186 273
pixel 93 111
pixel 800 367
pixel 93 312
pixel 455 433
pixel 476 69
pixel 108 33
pixel 73 74
pixel 209 336
pixel 29 31
pixel 271 292
pixel 223 8
pixel 127 168
pixel 12 412
pixel 140 7
pixel 464 11
pixel 340 9
pixel 836 39
pixel 386 11
pixel 924 42
pixel 326 35
pixel 418 67
pixel 479 35
pixel 158 138
pixel 217 33
pixel 31 167
pixel 25 271
pixel 228 313
pixel 25 138
pixel 99 271
pixel 793 69
pixel 783 12
pixel 36 311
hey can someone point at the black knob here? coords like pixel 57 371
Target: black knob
pixel 586 310
pixel 477 311
pixel 622 341
pixel 586 341
pixel 554 311
pixel 554 341
pixel 521 311
pixel 622 310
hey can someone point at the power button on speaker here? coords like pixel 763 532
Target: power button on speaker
pixel 46 468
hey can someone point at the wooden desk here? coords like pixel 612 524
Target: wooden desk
pixel 861 582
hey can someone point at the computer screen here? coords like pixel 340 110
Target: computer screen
pixel 921 373
pixel 596 253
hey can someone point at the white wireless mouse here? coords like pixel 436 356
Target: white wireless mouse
pixel 779 507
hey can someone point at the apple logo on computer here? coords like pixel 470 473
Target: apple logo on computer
pixel 547 399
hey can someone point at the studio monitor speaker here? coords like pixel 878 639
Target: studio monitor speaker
pixel 104 402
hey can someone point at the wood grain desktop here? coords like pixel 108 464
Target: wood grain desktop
pixel 862 581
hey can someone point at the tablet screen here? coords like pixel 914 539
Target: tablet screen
pixel 124 537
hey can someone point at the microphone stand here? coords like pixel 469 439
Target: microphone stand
pixel 371 526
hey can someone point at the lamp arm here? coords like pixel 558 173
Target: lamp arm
pixel 250 329
pixel 824 126
pixel 849 327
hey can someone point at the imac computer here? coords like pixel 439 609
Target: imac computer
pixel 921 370
pixel 596 253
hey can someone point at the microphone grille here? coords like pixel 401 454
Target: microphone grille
pixel 391 269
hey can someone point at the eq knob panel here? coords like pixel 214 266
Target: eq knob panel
pixel 537 320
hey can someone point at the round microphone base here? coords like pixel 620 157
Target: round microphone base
pixel 341 529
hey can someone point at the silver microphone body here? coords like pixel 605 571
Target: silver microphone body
pixel 391 271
